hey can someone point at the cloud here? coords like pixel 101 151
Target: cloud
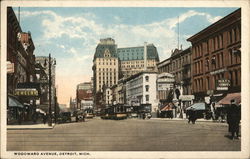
pixel 83 33
pixel 174 21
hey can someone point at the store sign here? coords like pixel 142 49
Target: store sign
pixel 186 97
pixel 164 86
pixel 170 80
pixel 10 67
pixel 218 71
pixel 26 92
pixel 223 84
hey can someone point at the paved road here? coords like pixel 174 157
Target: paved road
pixel 125 135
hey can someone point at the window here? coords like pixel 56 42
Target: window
pixel 147 98
pixel 230 37
pixel 147 88
pixel 147 78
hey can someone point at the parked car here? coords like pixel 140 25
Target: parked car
pixel 64 117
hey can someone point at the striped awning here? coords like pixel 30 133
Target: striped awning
pixel 167 107
pixel 227 99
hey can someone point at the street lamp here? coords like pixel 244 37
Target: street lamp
pixel 50 113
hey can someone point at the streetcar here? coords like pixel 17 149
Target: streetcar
pixel 114 112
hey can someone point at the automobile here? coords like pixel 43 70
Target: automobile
pixel 89 115
pixel 64 117
pixel 148 115
pixel 134 115
pixel 81 116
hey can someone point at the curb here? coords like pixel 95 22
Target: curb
pixel 179 119
pixel 28 127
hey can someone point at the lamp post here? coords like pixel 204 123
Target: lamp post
pixel 50 83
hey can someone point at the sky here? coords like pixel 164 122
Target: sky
pixel 71 34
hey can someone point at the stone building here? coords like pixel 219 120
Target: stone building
pixel 105 67
pixel 132 59
pixel 141 89
pixel 216 59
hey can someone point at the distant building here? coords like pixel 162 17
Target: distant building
pixel 84 94
pixel 132 59
pixel 216 59
pixel 141 89
pixel 43 61
pixel 72 104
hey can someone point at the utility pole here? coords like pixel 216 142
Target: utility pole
pixel 178 34
pixel 50 115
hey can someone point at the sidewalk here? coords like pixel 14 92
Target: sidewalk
pixel 180 119
pixel 30 126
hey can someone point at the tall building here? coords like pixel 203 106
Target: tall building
pixel 105 66
pixel 216 59
pixel 132 59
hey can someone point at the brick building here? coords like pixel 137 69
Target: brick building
pixel 20 49
pixel 179 65
pixel 84 94
pixel 216 56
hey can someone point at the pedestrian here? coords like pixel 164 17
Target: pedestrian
pixel 190 115
pixel 44 118
pixel 143 116
pixel 233 119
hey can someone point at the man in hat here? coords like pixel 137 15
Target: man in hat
pixel 233 119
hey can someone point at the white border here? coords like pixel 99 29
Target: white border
pixel 244 4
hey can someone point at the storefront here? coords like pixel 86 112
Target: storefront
pixel 15 110
pixel 167 111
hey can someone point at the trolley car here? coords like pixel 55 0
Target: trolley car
pixel 114 112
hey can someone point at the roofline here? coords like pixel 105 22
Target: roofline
pixel 212 25
pixel 136 46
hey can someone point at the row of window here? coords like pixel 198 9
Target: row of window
pixel 132 50
pixel 176 64
pixel 233 75
pixel 107 69
pixel 217 42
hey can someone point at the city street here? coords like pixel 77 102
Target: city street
pixel 125 135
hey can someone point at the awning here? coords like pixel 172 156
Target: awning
pixel 197 106
pixel 229 97
pixel 167 107
pixel 12 102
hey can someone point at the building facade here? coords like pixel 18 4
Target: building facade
pixel 43 61
pixel 105 67
pixel 84 95
pixel 141 89
pixel 217 57
pixel 132 59
pixel 179 65
pixel 20 54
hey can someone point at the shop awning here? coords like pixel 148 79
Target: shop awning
pixel 167 107
pixel 227 99
pixel 197 106
pixel 12 102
